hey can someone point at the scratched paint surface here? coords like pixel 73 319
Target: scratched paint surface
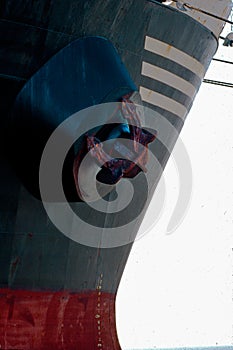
pixel 57 320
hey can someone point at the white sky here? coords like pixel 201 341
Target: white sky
pixel 177 289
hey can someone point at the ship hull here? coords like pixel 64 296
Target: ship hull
pixel 50 284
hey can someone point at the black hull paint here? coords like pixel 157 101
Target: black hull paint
pixel 34 255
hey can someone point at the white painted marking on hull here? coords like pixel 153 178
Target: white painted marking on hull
pixel 159 100
pixel 163 49
pixel 168 78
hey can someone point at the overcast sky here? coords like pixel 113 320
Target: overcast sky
pixel 177 289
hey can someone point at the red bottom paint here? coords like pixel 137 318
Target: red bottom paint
pixel 57 320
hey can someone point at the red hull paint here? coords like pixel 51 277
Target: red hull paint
pixel 57 320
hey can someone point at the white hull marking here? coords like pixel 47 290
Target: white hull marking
pixel 159 100
pixel 168 78
pixel 163 49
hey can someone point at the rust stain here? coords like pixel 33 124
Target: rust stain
pixel 11 302
pixel 168 49
pixel 149 94
pixel 26 315
pixel 14 265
